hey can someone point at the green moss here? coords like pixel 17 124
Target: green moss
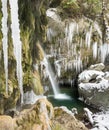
pixel 36 83
pixel 57 126
pixel 77 8
pixel 32 15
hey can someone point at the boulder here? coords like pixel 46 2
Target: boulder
pixel 67 120
pixel 42 116
pixel 89 75
pixel 98 67
pixel 6 123
pixel 35 83
pixel 36 118
pixel 93 87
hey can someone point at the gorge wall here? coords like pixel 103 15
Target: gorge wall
pixel 77 36
pixel 63 29
pixel 32 15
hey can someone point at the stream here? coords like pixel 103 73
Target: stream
pixel 72 102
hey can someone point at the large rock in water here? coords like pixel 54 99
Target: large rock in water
pixel 93 86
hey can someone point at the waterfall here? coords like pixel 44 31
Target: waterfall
pixel 17 42
pixel 5 39
pixel 52 76
pixel 53 81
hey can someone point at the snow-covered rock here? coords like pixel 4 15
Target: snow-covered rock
pixel 67 119
pixel 98 67
pixel 88 113
pixel 88 75
pixel 101 121
pixel 93 87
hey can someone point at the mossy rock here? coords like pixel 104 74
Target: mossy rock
pixel 38 53
pixel 35 83
pixel 35 117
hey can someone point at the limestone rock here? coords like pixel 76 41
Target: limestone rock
pixel 36 118
pixel 39 52
pixel 6 123
pixel 42 116
pixel 35 83
pixel 77 48
pixel 88 75
pixel 33 22
pixel 67 119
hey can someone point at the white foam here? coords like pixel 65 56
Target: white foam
pixel 62 96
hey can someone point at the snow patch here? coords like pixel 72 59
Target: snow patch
pixel 88 74
pixel 101 121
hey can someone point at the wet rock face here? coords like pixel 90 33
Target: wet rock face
pixel 93 86
pixel 33 22
pixel 71 45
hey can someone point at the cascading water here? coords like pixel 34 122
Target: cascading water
pixel 5 39
pixel 53 81
pixel 51 76
pixel 17 42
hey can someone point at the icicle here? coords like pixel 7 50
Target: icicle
pixel 5 39
pixel 50 34
pixel 97 27
pixel 81 42
pixel 77 28
pixel 17 42
pixel 95 50
pixel 88 37
pixel 77 64
pixel 69 32
pixel 58 68
pixel 59 51
pixel 104 49
pixel 107 33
